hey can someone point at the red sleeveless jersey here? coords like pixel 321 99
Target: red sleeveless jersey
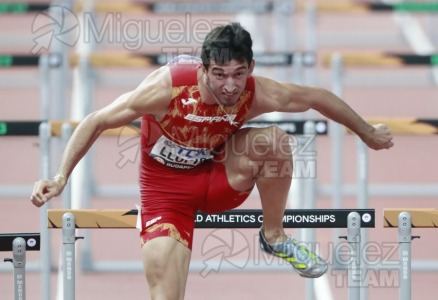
pixel 191 129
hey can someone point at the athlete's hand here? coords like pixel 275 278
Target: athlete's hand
pixel 379 138
pixel 44 190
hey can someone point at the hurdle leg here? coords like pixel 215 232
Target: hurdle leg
pixel 310 203
pixel 362 196
pixel 46 251
pixel 404 239
pixel 353 238
pixel 68 255
pixel 19 263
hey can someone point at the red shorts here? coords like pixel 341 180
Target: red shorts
pixel 171 197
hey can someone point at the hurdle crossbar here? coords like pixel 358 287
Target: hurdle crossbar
pixel 291 126
pixel 31 128
pixel 192 7
pixel 143 60
pixel 13 60
pixel 133 129
pixel 406 126
pixel 69 220
pixel 22 60
pixel 421 217
pixel 224 7
pixel 237 218
pixel 163 8
pixel 348 7
pixel 19 128
pixel 383 59
pixel 22 8
pixel 32 241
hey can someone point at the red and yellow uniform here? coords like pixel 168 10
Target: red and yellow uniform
pixel 181 171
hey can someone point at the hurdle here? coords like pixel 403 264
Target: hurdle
pixel 19 243
pixel 144 60
pixel 352 219
pixel 194 7
pixel 22 8
pixel 139 7
pixel 226 7
pixel 55 127
pixel 412 7
pixel 384 59
pixel 405 219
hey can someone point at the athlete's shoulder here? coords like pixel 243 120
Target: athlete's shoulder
pixel 160 78
pixel 184 60
pixel 184 70
pixel 266 94
pixel 268 87
pixel 154 93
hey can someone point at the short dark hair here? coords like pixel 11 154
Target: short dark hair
pixel 225 43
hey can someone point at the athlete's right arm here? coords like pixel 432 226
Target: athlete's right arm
pixel 150 97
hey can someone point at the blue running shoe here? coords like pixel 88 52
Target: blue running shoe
pixel 305 262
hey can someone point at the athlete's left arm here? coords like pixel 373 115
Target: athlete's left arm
pixel 288 97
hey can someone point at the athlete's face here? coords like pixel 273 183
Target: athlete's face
pixel 227 81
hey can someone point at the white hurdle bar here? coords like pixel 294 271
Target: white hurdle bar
pixel 19 243
pixel 352 219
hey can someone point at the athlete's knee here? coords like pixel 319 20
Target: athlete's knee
pixel 272 142
pixel 166 263
pixel 259 151
pixel 276 160
pixel 155 262
pixel 164 254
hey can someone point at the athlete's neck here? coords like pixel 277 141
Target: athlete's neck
pixel 206 93
pixel 210 97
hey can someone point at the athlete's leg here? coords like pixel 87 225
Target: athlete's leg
pixel 166 264
pixel 262 156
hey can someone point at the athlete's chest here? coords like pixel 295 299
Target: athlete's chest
pixel 192 122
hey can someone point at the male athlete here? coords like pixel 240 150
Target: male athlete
pixel 196 157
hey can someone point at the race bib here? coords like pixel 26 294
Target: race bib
pixel 173 155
